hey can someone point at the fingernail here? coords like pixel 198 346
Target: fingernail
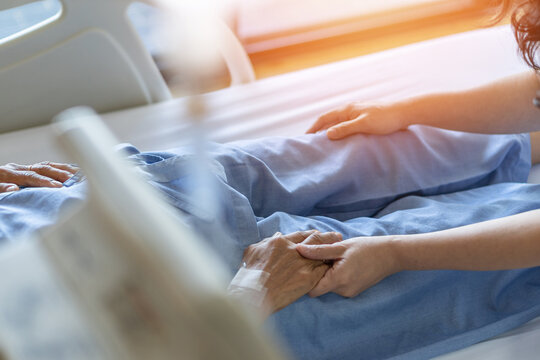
pixel 56 183
pixel 277 234
pixel 12 188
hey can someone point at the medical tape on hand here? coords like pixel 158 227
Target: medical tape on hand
pixel 248 285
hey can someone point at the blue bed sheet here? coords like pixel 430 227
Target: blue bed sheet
pixel 414 181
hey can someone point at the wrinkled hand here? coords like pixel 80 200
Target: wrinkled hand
pixel 359 263
pixel 291 275
pixel 359 118
pixel 44 174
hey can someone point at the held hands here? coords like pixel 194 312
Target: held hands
pixel 44 174
pixel 359 263
pixel 291 275
pixel 359 118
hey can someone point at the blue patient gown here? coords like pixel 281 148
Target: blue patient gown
pixel 415 181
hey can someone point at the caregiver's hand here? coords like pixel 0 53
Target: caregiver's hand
pixel 291 275
pixel 44 174
pixel 359 263
pixel 360 117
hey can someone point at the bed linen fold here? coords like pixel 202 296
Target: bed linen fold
pixel 414 181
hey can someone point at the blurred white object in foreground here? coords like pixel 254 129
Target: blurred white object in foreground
pixel 121 277
pixel 199 40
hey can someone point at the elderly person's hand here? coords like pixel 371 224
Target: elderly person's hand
pixel 359 263
pixel 44 174
pixel 290 275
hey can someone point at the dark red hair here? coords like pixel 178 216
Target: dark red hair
pixel 525 21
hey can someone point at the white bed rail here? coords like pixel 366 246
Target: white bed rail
pixel 89 54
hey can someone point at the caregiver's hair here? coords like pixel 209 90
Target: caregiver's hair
pixel 525 21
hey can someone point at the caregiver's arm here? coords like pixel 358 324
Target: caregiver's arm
pixel 505 243
pixel 44 174
pixel 504 106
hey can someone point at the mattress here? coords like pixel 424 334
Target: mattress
pixel 286 105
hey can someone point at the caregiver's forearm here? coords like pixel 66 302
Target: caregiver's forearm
pixel 505 243
pixel 501 107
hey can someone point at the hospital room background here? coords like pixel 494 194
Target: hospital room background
pixel 164 74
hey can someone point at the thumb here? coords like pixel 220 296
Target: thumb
pixel 326 284
pixel 5 187
pixel 321 252
pixel 346 128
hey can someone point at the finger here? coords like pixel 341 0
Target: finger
pixel 5 187
pixel 321 252
pixel 299 236
pixel 317 271
pixel 55 171
pixel 51 172
pixel 325 285
pixel 348 291
pixel 323 238
pixel 346 128
pixel 325 120
pixel 66 167
pixel 326 127
pixel 31 178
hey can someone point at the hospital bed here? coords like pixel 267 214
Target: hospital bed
pixel 286 105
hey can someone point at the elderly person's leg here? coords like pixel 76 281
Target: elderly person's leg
pixel 310 175
pixel 414 314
